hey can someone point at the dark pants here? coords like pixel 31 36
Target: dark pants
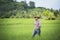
pixel 36 31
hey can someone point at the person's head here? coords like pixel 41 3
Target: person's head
pixel 36 18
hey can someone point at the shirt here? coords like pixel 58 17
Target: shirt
pixel 37 24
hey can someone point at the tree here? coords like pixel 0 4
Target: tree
pixel 6 6
pixel 51 10
pixel 56 12
pixel 10 0
pixel 49 15
pixel 32 4
pixel 59 10
pixel 24 4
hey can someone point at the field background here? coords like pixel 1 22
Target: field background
pixel 17 23
pixel 21 29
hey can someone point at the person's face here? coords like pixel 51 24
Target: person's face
pixel 36 18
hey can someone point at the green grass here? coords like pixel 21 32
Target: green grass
pixel 21 29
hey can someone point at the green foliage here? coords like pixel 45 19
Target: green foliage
pixel 13 9
pixel 5 7
pixel 48 14
pixel 32 4
pixel 24 5
pixel 56 12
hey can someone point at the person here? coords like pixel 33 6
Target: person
pixel 37 27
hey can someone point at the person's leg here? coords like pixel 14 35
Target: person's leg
pixel 38 32
pixel 34 33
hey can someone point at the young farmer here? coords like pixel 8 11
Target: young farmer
pixel 37 26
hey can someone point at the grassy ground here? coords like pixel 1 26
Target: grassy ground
pixel 21 29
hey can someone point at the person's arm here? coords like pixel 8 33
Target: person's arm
pixel 40 24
